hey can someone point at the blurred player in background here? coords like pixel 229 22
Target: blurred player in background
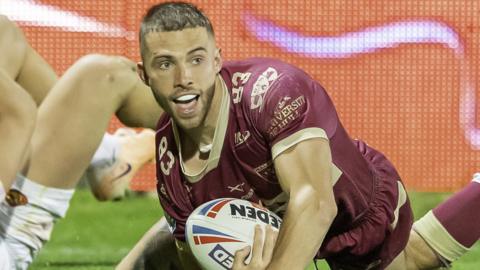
pixel 265 131
pixel 53 145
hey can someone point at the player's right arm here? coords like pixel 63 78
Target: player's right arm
pixel 304 173
pixel 298 120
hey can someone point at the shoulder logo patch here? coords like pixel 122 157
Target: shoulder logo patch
pixel 261 86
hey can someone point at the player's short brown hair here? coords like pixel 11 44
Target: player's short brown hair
pixel 172 16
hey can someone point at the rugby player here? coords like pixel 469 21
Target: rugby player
pixel 52 146
pixel 265 131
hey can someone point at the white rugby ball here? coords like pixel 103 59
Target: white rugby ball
pixel 218 228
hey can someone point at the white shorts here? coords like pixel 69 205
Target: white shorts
pixel 5 263
pixel 25 228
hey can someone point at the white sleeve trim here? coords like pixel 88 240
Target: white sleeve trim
pixel 295 138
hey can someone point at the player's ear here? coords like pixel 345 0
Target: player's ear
pixel 218 60
pixel 142 73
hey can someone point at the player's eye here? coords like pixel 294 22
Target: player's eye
pixel 164 65
pixel 197 60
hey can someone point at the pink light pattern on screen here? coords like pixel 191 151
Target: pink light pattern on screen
pixel 372 39
pixel 30 12
pixel 346 45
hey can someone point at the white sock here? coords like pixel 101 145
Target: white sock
pixel 106 150
pixel 54 200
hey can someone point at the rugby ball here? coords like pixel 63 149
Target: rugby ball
pixel 217 229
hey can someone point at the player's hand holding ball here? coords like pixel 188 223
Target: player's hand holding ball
pixel 232 234
pixel 261 253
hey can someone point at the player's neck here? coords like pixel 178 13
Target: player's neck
pixel 198 141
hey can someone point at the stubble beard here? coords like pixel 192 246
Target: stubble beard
pixel 198 121
pixel 205 100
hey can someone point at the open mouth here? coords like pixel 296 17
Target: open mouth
pixel 186 99
pixel 186 105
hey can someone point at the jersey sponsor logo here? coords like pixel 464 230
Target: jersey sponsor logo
pixel 238 187
pixel 239 79
pixel 241 137
pixel 254 212
pixel 222 257
pixel 282 103
pixel 203 235
pixel 287 111
pixel 261 86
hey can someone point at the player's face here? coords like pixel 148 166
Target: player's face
pixel 181 67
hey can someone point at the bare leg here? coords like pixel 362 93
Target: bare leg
pixel 17 114
pixel 25 71
pixel 74 116
pixel 22 63
pixel 70 123
pixel 17 108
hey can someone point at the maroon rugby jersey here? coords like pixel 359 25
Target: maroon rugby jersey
pixel 268 107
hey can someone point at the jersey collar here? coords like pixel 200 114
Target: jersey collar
pixel 218 139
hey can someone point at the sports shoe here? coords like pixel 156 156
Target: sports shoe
pixel 109 180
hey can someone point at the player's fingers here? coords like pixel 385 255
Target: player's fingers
pixel 257 248
pixel 269 245
pixel 240 256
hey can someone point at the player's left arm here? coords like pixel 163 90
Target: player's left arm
pixel 304 172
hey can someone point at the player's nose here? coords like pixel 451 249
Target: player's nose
pixel 183 76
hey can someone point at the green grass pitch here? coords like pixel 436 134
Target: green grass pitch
pixel 97 235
